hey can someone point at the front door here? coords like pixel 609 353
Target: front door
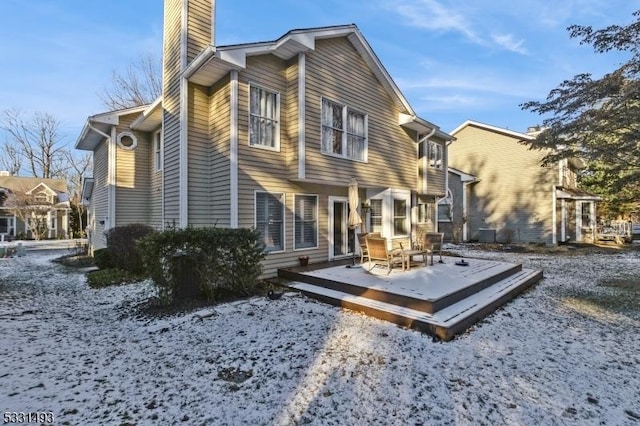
pixel 341 238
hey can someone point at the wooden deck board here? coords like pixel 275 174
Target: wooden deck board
pixel 401 296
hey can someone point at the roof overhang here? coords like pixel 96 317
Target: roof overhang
pixel 496 129
pixel 97 126
pixel 150 119
pixel 575 194
pixel 464 177
pixel 45 187
pixel 213 63
pixel 422 126
pixel 87 189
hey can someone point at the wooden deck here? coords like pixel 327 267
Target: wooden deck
pixel 443 299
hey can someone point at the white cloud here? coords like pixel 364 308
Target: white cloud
pixel 432 15
pixel 508 42
pixel 438 15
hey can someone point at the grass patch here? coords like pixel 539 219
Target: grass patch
pixel 112 276
pixel 617 295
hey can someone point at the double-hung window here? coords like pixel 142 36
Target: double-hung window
pixel 435 155
pixel 269 216
pixel 157 151
pixel 306 221
pixel 376 215
pixel 400 217
pixel 264 118
pixel 344 131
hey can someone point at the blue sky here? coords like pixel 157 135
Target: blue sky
pixel 454 60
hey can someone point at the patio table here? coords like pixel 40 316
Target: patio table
pixel 408 256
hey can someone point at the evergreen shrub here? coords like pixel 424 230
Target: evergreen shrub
pixel 203 262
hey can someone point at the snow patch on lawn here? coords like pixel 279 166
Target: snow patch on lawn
pixel 548 357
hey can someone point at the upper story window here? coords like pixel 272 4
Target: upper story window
pixel 435 155
pixel 264 117
pixel 157 151
pixel 344 131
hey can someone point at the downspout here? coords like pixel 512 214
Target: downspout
pixel 425 159
pixel 111 174
pixel 445 167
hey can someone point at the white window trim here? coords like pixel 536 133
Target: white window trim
pixel 133 139
pixel 345 109
pixel 317 223
pixel 283 199
pixel 275 148
pixel 370 224
pixel 437 163
pixel 158 151
pixel 407 215
pixel 428 212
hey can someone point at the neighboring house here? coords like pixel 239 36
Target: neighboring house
pixel 268 135
pixel 512 194
pixel 453 210
pixel 33 207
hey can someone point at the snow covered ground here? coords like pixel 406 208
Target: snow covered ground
pixel 555 355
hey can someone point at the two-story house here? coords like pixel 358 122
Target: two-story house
pixel 268 135
pixel 33 207
pixel 504 189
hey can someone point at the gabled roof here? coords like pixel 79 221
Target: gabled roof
pixel 464 177
pixel 495 129
pixel 28 184
pixel 97 126
pixel 214 63
pixel 150 119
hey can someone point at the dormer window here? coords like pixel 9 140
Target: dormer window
pixel 41 197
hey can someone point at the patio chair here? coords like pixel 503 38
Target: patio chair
pixel 379 254
pixel 432 242
pixel 364 253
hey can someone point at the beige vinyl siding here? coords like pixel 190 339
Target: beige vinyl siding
pixel 260 168
pixel 219 129
pixel 171 104
pixel 514 192
pixel 336 71
pixel 436 178
pixel 155 195
pixel 199 173
pixel 199 27
pixel 133 177
pixel 289 112
pixel 100 196
pixel 289 257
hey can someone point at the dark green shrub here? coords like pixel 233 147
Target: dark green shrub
pixel 121 244
pixel 111 276
pixel 203 262
pixel 102 258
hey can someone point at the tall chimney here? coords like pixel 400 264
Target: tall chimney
pixel 188 30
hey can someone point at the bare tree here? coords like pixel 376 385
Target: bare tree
pixel 30 209
pixel 37 139
pixel 139 84
pixel 78 166
pixel 11 160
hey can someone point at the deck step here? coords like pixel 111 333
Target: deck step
pixel 445 323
